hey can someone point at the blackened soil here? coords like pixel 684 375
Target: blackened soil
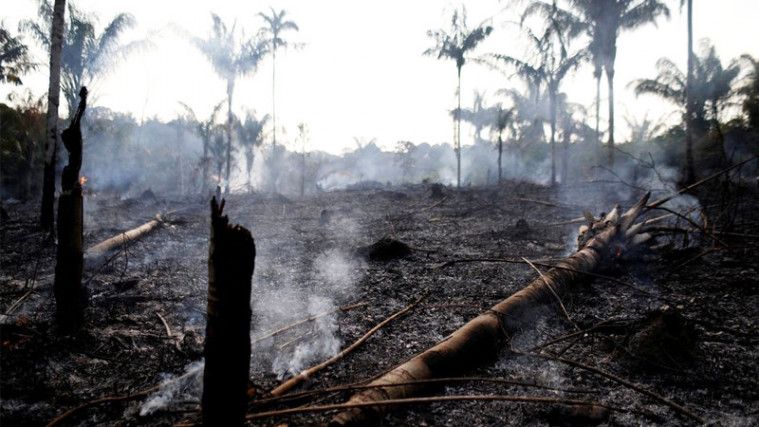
pixel 125 346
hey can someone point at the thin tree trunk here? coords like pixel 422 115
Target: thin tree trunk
pixel 231 260
pixel 597 76
pixel 500 156
pixel 273 97
pixel 690 173
pixel 230 90
pixel 303 173
pixel 565 156
pixel 480 339
pixel 457 143
pixel 204 184
pixel 610 80
pixel 69 262
pixel 53 98
pixel 552 106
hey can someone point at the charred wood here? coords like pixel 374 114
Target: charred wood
pixel 70 297
pixel 231 260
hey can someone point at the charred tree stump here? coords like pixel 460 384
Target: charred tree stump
pixel 481 338
pixel 231 259
pixel 70 298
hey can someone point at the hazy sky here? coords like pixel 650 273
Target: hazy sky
pixel 361 72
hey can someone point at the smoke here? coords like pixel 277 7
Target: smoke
pixel 187 386
pixel 285 296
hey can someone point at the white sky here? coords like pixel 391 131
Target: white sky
pixel 361 72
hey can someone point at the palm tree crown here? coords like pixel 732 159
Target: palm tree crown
pixel 86 55
pixel 14 58
pixel 456 43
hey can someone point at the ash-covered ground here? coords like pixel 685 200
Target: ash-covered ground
pixel 146 317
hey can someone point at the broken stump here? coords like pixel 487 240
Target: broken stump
pixel 70 297
pixel 231 260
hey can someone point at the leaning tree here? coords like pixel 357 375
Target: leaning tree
pixel 455 43
pixel 231 56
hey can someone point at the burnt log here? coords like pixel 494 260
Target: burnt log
pixel 231 260
pixel 481 339
pixel 70 297
pixel 97 254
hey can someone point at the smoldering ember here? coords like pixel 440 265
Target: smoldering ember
pixel 514 212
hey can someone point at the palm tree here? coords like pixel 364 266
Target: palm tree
pixel 231 57
pixel 553 62
pixel 251 133
pixel 205 130
pixel 711 86
pixel 478 116
pixel 749 89
pixel 502 119
pixel 702 100
pixel 275 24
pixel 603 22
pixel 86 55
pixel 54 88
pixel 455 44
pixel 14 58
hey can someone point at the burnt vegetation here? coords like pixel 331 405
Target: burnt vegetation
pixel 543 273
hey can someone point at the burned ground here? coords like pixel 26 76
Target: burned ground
pixel 306 265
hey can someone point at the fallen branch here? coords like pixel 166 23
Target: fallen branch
pixel 640 389
pixel 303 376
pixel 550 288
pixel 433 399
pixel 286 328
pixel 559 267
pixel 698 183
pixel 481 338
pixel 434 381
pixel 123 398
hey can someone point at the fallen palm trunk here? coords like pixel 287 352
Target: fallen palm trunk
pixel 98 254
pixel 70 298
pixel 231 260
pixel 481 338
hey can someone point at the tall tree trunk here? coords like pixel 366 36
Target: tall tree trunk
pixel 69 263
pixel 597 76
pixel 481 338
pixel 53 98
pixel 204 162
pixel 565 155
pixel 552 107
pixel 457 142
pixel 273 97
pixel 500 155
pixel 610 80
pixel 690 173
pixel 230 91
pixel 231 260
pixel 303 173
